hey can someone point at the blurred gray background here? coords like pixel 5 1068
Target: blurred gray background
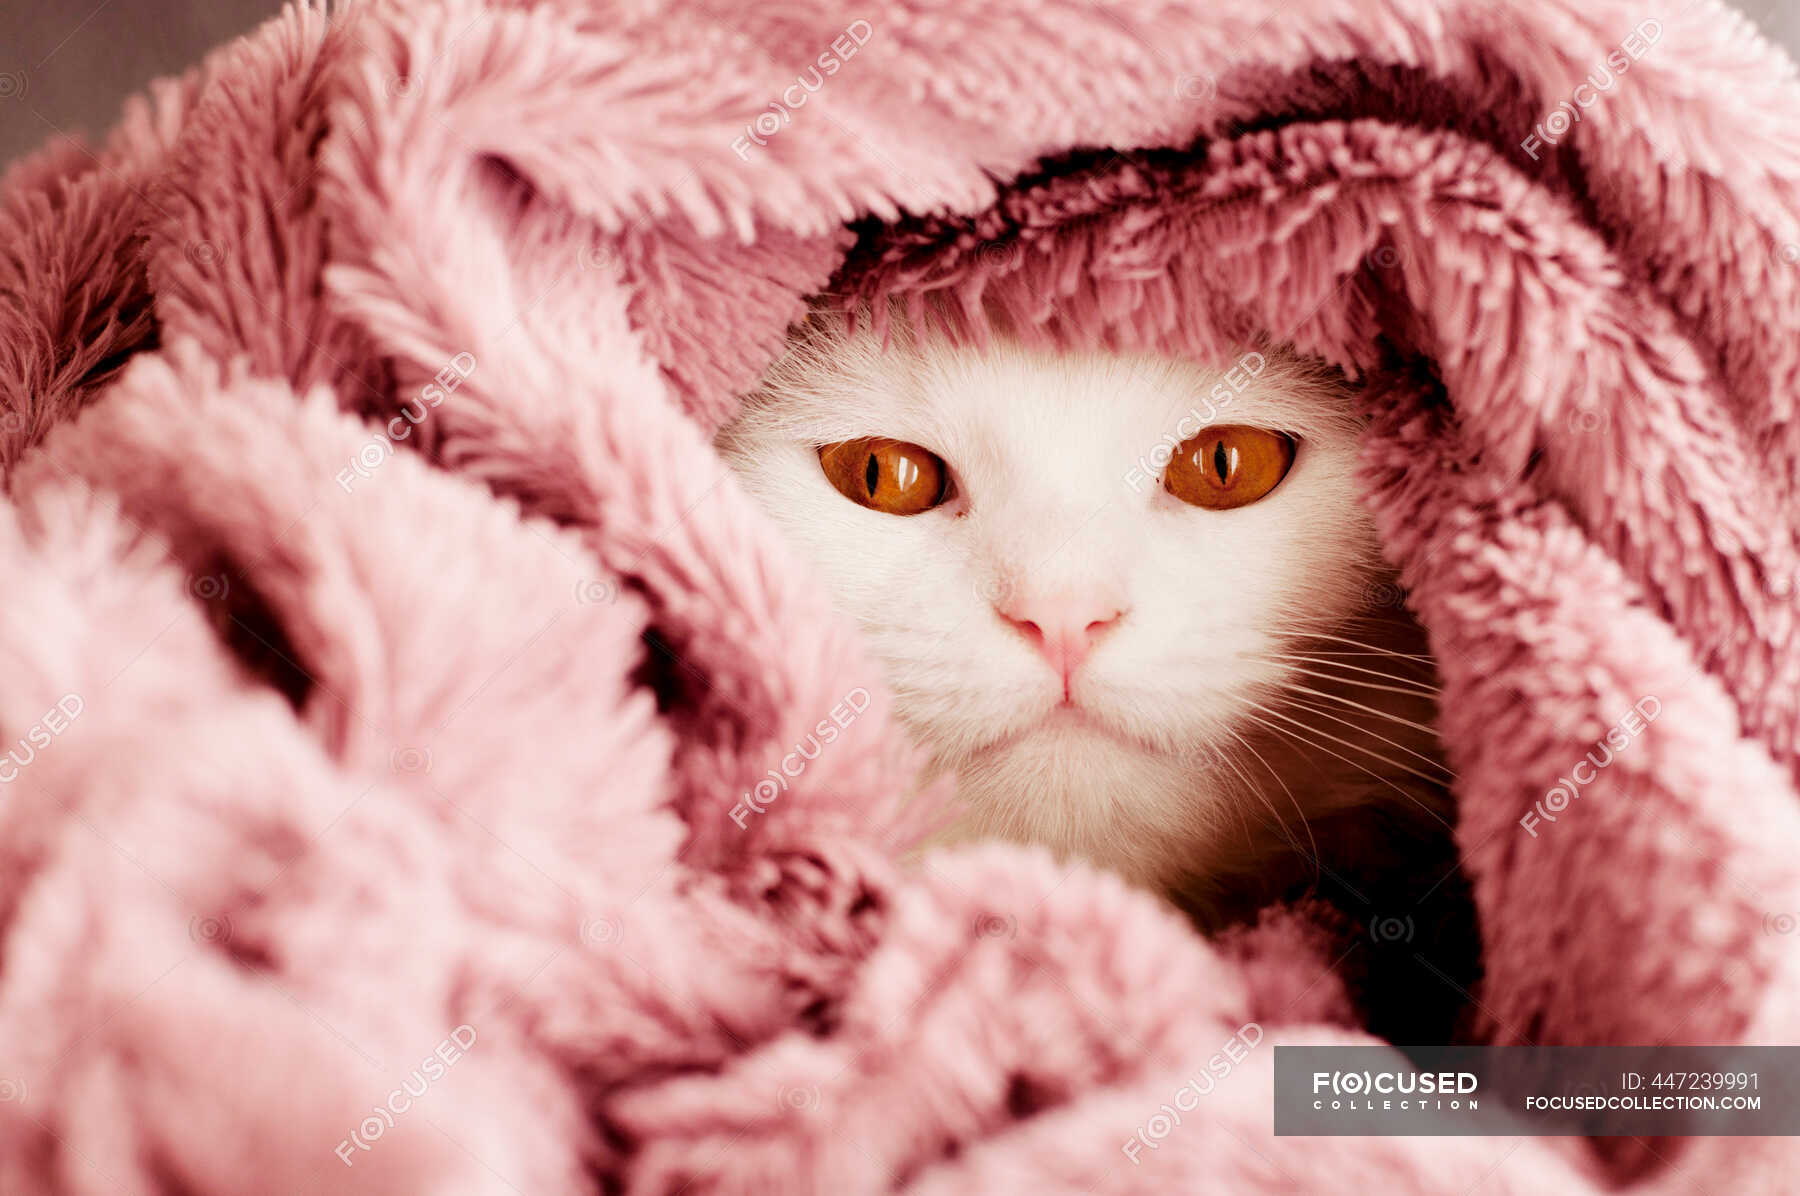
pixel 67 64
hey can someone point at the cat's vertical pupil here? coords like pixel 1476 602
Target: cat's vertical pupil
pixel 1229 467
pixel 885 475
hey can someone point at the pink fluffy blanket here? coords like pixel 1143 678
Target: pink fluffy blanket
pixel 398 694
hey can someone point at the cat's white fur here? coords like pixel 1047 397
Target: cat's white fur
pixel 1173 770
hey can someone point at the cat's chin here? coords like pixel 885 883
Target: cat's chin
pixel 1072 782
pixel 1067 727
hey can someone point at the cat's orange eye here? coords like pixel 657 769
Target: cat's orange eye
pixel 1229 467
pixel 886 475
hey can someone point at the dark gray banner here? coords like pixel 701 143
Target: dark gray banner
pixel 1675 1091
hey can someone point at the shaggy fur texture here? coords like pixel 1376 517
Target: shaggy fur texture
pixel 380 740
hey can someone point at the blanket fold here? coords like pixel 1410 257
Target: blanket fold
pixel 396 686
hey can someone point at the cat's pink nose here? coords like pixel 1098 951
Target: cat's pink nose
pixel 1064 627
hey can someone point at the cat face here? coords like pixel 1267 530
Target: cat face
pixel 1094 653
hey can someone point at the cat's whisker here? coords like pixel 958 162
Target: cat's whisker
pixel 1305 630
pixel 1408 683
pixel 1386 676
pixel 1355 747
pixel 1250 788
pixel 1423 695
pixel 1299 810
pixel 1417 755
pixel 1377 617
pixel 1428 697
pixel 1304 742
pixel 1376 711
pixel 1396 662
pixel 1334 647
pixel 1242 819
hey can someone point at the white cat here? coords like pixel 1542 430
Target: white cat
pixel 1134 603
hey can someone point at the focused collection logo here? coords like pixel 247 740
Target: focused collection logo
pixel 1395 1091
